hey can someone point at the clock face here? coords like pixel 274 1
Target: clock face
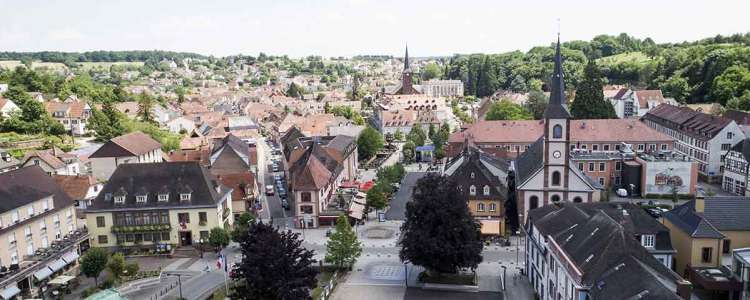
pixel 556 154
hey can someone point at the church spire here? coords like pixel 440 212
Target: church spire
pixel 557 107
pixel 406 58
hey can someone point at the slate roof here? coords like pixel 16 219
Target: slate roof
pixel 613 263
pixel 472 161
pixel 739 117
pixel 234 143
pixel 743 148
pixel 693 224
pixel 557 107
pixel 693 123
pixel 155 178
pixel 131 144
pixel 529 161
pixel 26 185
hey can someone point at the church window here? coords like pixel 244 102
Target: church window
pixel 555 198
pixel 577 199
pixel 555 178
pixel 557 131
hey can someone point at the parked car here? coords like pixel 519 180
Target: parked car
pixel 285 204
pixel 654 212
pixel 282 192
pixel 275 167
pixel 269 190
pixel 276 177
pixel 622 192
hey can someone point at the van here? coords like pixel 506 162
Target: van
pixel 269 190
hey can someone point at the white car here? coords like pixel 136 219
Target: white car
pixel 621 192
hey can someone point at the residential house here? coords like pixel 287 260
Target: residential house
pixel 482 184
pixel 53 161
pixel 82 189
pixel 7 107
pixel 705 138
pixel 741 118
pixel 35 215
pixel 72 113
pixel 7 161
pixel 735 179
pixel 158 206
pixel 181 124
pixel 600 251
pixel 636 103
pixel 134 147
pixel 704 232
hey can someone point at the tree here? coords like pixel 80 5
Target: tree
pixel 218 237
pixel 376 198
pixel 431 71
pixel 506 110
pixel 241 225
pixel 145 107
pixel 106 123
pixel 343 248
pixel 416 135
pixel 589 102
pixel 294 91
pixel 409 150
pixel 274 265
pixel 676 87
pixel 733 82
pixel 399 135
pixel 116 265
pixel 93 262
pixel 370 141
pixel 536 104
pixel 425 240
pixel 518 84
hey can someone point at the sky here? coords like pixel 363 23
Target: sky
pixel 352 27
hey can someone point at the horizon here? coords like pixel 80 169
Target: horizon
pixel 350 27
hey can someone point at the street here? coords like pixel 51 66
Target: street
pixel 397 208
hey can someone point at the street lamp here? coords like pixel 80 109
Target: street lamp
pixel 504 269
pixel 200 245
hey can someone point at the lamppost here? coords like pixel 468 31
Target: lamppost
pixel 504 269
pixel 200 245
pixel 406 274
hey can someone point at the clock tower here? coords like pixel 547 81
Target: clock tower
pixel 556 137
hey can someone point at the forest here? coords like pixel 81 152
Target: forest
pixel 709 70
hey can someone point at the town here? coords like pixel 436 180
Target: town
pixel 609 168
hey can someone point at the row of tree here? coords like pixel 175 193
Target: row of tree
pixel 98 56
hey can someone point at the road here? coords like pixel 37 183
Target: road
pixel 272 208
pixel 397 210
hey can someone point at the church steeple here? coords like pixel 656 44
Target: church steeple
pixel 557 107
pixel 406 58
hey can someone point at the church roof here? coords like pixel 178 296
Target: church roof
pixel 557 107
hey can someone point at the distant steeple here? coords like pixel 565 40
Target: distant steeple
pixel 406 58
pixel 557 107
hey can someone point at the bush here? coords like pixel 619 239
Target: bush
pixel 132 268
pixel 107 283
pixel 89 291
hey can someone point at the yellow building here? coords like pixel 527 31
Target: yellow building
pixel 158 206
pixel 705 231
pixel 39 237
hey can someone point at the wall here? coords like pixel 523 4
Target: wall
pixel 679 168
pixel 689 249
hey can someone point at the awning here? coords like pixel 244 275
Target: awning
pixel 43 273
pixel 10 291
pixel 70 257
pixel 490 227
pixel 356 210
pixel 62 279
pixel 57 265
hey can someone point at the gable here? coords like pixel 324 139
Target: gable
pixel 110 150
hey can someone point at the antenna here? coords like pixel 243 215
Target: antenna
pixel 558 28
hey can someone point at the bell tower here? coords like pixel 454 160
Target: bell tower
pixel 556 135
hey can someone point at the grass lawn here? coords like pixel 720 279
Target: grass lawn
pixel 105 65
pixel 637 56
pixel 458 279
pixel 12 64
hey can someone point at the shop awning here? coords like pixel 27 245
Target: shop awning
pixel 10 291
pixel 490 227
pixel 57 265
pixel 356 210
pixel 62 279
pixel 70 257
pixel 43 273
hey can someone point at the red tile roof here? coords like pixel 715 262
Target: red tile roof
pixel 75 186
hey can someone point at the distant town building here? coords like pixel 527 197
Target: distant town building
pixel 134 147
pixel 442 88
pixel 53 161
pixel 7 107
pixel 735 177
pixel 7 161
pixel 72 113
pixel 636 103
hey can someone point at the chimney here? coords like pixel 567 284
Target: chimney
pixel 684 289
pixel 700 205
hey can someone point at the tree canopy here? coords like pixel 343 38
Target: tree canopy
pixel 589 102
pixel 343 248
pixel 274 265
pixel 93 262
pixel 439 232
pixel 506 110
pixel 369 142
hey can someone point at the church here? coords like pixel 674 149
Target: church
pixel 544 173
pixel 406 87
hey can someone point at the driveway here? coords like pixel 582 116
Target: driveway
pixel 397 210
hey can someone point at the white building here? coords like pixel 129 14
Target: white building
pixel 181 123
pixel 73 114
pixel 635 104
pixel 7 107
pixel 705 138
pixel 442 88
pixel 134 147
pixel 735 177
pixel 53 161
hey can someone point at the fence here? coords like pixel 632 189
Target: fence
pixel 328 288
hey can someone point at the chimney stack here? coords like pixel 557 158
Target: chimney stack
pixel 700 205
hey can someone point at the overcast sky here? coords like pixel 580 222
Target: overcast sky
pixel 351 27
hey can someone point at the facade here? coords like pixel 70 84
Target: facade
pixel 316 168
pixel 514 137
pixel 543 173
pixel 82 189
pixel 53 161
pixel 158 206
pixel 134 147
pixel 7 107
pixel 735 177
pixel 181 124
pixel 600 251
pixel 481 181
pixel 703 137
pixel 72 113
pixel 443 88
pixel 36 215
pixel 636 103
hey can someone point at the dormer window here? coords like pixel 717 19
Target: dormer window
pixel 185 197
pixel 120 199
pixel 486 190
pixel 163 197
pixel 472 190
pixel 648 240
pixel 472 175
pixel 141 198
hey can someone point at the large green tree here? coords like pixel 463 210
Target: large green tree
pixel 107 122
pixel 146 107
pixel 218 237
pixel 589 102
pixel 506 110
pixel 343 248
pixel 93 262
pixel 116 266
pixel 274 265
pixel 439 232
pixel 417 135
pixel 536 103
pixel 369 142
pixel 731 83
pixel 294 91
pixel 431 71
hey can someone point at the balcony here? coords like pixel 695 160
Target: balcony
pixel 140 228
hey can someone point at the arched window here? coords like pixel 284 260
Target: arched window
pixel 557 131
pixel 555 198
pixel 472 175
pixel 486 190
pixel 533 202
pixel 472 190
pixel 555 178
pixel 480 206
pixel 577 199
